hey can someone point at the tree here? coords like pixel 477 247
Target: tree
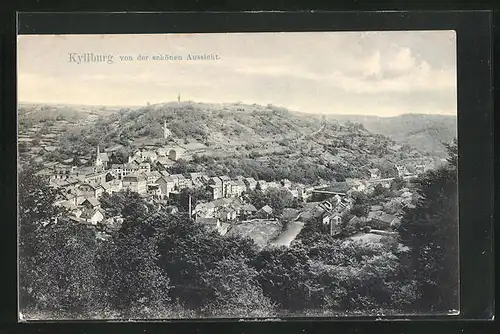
pixel 36 209
pixel 360 207
pixel 452 150
pixel 132 282
pixel 198 195
pixel 57 271
pixel 285 278
pixel 398 183
pixel 430 230
pixel 62 278
pixel 127 204
pixel 236 291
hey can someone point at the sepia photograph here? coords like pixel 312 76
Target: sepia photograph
pixel 237 175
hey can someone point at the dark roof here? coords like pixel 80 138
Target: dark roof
pixel 92 201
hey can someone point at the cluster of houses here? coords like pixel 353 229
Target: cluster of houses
pixel 82 187
pixel 398 170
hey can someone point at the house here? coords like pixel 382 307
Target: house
pixel 215 187
pixel 333 220
pixel 145 167
pixel 91 203
pixel 152 177
pixel 226 213
pixel 90 190
pixel 72 208
pixel 239 188
pixel 400 171
pixel 96 178
pixel 420 169
pixel 204 210
pixel 262 185
pixel 265 212
pixel 149 156
pixel 92 216
pixel 130 168
pixel 383 221
pixel 227 188
pixel 167 185
pixel 195 176
pixel 164 162
pixel 112 186
pixel 374 173
pixel 273 185
pixel 135 183
pixel 117 170
pixel 247 210
pixel 154 189
pixel 286 183
pixel 250 183
pixel 162 152
pixel 181 181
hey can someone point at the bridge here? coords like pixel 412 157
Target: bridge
pixel 327 192
pixel 406 177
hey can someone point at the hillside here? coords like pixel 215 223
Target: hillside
pixel 264 142
pixel 426 133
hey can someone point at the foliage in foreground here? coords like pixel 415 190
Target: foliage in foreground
pixel 168 266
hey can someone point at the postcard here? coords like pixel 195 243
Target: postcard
pixel 237 175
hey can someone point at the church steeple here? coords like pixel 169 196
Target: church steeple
pixel 98 161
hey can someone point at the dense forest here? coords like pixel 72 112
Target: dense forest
pixel 160 265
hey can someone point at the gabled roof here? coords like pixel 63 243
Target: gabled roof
pixel 103 156
pixel 88 185
pixel 134 178
pixel 266 208
pixel 249 207
pixel 216 180
pixel 93 201
pixel 240 183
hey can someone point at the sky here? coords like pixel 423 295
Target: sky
pixel 358 73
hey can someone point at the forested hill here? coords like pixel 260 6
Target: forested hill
pixel 424 132
pixel 265 142
pixel 212 123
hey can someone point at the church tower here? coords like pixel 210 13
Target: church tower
pixel 178 98
pixel 98 161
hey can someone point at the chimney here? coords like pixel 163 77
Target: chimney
pixel 190 209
